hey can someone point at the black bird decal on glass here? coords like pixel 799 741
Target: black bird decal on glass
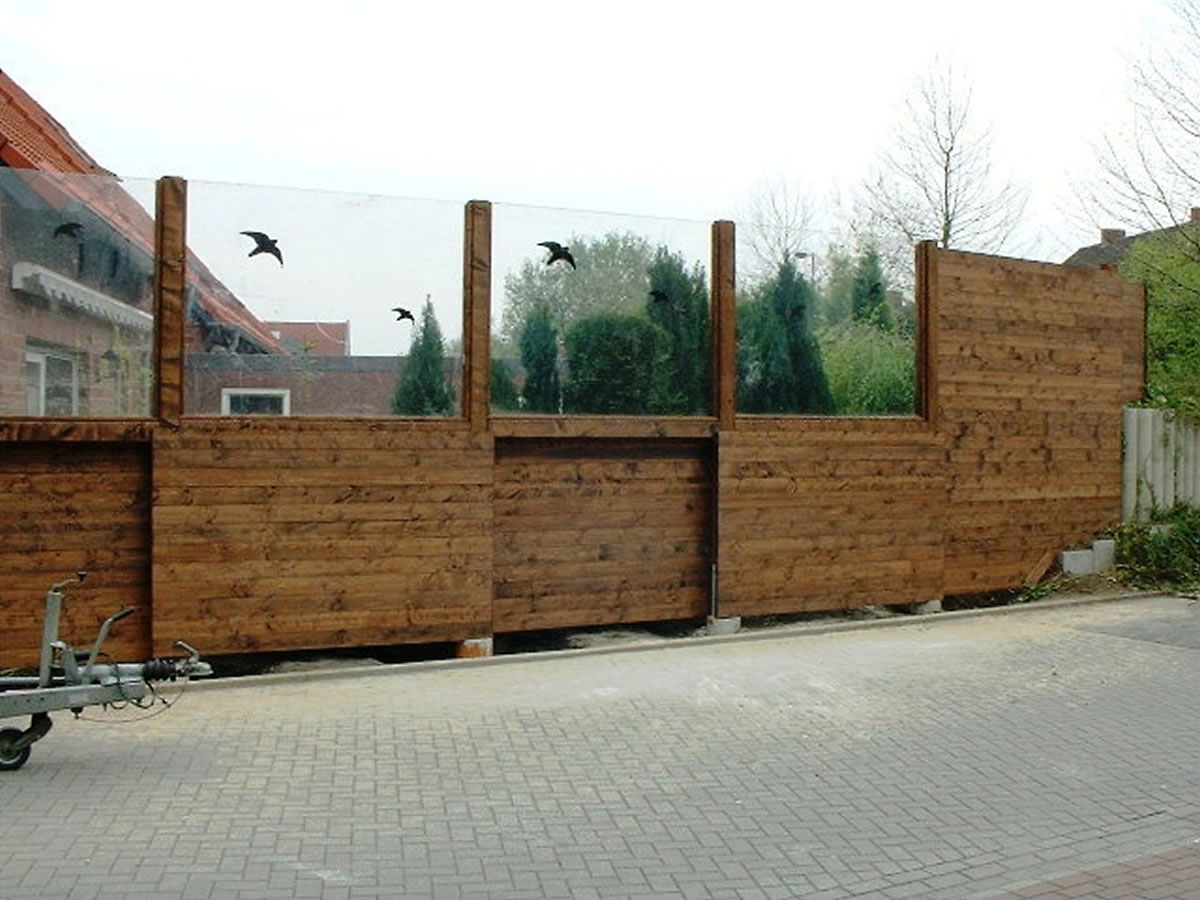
pixel 70 229
pixel 659 296
pixel 264 244
pixel 402 314
pixel 557 252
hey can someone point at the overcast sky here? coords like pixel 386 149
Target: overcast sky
pixel 651 108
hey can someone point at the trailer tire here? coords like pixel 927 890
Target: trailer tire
pixel 11 759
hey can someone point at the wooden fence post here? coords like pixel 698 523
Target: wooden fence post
pixel 724 328
pixel 927 310
pixel 477 301
pixel 170 285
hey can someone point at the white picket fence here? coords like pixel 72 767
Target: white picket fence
pixel 1161 462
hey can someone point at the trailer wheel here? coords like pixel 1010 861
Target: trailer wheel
pixel 9 758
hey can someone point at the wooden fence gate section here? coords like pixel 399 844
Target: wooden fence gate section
pixel 611 531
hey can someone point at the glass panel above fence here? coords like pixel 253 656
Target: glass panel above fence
pixel 599 313
pixel 824 327
pixel 316 303
pixel 76 303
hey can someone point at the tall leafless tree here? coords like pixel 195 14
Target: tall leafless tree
pixel 779 227
pixel 937 180
pixel 1150 172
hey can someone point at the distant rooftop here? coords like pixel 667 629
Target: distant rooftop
pixel 1115 243
pixel 315 338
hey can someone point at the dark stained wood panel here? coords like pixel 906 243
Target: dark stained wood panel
pixel 825 514
pixel 66 506
pixel 593 532
pixel 306 535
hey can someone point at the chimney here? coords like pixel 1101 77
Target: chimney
pixel 1196 213
pixel 1111 235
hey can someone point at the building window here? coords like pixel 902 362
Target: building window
pixel 51 384
pixel 256 402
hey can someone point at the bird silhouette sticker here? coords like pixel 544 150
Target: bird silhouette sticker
pixel 557 252
pixel 402 314
pixel 264 244
pixel 70 229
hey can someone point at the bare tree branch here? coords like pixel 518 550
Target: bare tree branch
pixel 1150 174
pixel 779 221
pixel 936 181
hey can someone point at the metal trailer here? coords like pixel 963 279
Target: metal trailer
pixel 72 679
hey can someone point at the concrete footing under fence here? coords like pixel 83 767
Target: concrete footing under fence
pixel 726 625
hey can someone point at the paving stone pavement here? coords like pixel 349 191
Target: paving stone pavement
pixel 1042 752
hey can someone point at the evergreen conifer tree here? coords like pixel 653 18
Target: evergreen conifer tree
pixel 422 389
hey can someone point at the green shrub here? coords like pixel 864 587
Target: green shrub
pixel 1164 552
pixel 871 372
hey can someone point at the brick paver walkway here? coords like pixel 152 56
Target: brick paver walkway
pixel 1040 753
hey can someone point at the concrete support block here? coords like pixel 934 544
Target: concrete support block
pixel 1104 555
pixel 1078 562
pixel 928 607
pixel 474 647
pixel 726 625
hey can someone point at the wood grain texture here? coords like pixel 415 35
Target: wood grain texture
pixel 601 531
pixel 66 506
pixel 170 295
pixel 284 536
pixel 87 430
pixel 723 316
pixel 477 293
pixel 1033 364
pixel 256 534
pixel 828 514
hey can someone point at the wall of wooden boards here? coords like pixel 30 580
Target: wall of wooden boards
pixel 601 531
pixel 272 535
pixel 263 534
pixel 1033 363
pixel 64 507
pixel 824 514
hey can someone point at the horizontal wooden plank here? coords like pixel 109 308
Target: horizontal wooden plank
pixel 567 610
pixel 349 460
pixel 464 566
pixel 858 429
pixel 523 503
pixel 350 610
pixel 132 561
pixel 314 635
pixel 671 533
pixel 73 430
pixel 619 471
pixel 896 450
pixel 429 587
pixel 266 546
pixel 828 485
pixel 622 566
pixel 507 426
pixel 312 431
pixel 473 474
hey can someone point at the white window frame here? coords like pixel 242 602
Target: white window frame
pixel 227 395
pixel 40 358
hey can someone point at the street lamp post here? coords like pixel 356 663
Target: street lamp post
pixel 812 264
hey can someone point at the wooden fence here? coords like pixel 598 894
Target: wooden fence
pixel 255 534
